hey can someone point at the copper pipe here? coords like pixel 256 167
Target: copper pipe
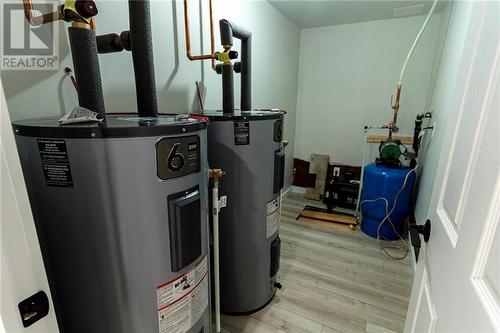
pixel 38 20
pixel 398 96
pixel 395 107
pixel 92 24
pixel 212 39
pixel 188 37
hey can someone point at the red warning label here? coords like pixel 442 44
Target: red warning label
pixel 273 215
pixel 182 301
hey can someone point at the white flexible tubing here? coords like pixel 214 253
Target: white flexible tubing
pixel 417 39
pixel 358 202
pixel 401 189
pixel 215 232
pixel 388 213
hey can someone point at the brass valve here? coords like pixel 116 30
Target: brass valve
pixel 78 11
pixel 216 174
pixel 226 56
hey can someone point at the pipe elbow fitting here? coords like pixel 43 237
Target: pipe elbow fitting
pixel 226 32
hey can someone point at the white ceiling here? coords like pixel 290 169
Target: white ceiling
pixel 318 13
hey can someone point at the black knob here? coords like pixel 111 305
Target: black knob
pixel 277 285
pixel 176 163
pixel 175 159
pixel 233 54
pixel 86 8
pixel 424 230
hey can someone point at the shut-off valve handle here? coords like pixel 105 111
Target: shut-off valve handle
pixel 226 56
pixel 79 10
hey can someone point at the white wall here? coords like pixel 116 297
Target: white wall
pixel 275 62
pixel 449 62
pixel 22 271
pixel 347 74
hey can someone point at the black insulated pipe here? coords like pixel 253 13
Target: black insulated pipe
pixel 109 43
pixel 227 88
pixel 416 133
pixel 416 139
pixel 141 42
pixel 237 67
pixel 218 68
pixel 228 30
pixel 125 40
pixel 86 65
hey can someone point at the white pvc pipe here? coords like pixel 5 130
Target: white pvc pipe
pixel 431 11
pixel 362 173
pixel 215 232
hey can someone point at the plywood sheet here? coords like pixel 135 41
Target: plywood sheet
pixel 329 217
pixel 336 226
pixel 319 167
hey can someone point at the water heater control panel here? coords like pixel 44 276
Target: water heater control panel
pixel 176 157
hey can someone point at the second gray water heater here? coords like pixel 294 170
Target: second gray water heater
pixel 248 147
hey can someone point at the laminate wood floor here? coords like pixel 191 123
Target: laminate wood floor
pixel 333 281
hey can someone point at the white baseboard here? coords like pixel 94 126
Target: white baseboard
pixel 297 189
pixel 286 191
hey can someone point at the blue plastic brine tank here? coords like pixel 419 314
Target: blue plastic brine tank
pixel 382 182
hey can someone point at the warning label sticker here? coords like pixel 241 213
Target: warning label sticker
pixel 55 162
pixel 241 133
pixel 182 301
pixel 273 215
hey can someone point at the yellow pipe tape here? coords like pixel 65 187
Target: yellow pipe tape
pixel 223 56
pixel 70 5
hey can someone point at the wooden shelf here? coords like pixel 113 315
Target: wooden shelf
pixel 406 140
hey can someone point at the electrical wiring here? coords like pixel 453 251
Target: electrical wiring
pixel 404 247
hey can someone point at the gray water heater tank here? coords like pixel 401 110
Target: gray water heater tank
pixel 248 147
pixel 121 214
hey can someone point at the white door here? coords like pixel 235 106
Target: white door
pixel 457 283
pixel 22 273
